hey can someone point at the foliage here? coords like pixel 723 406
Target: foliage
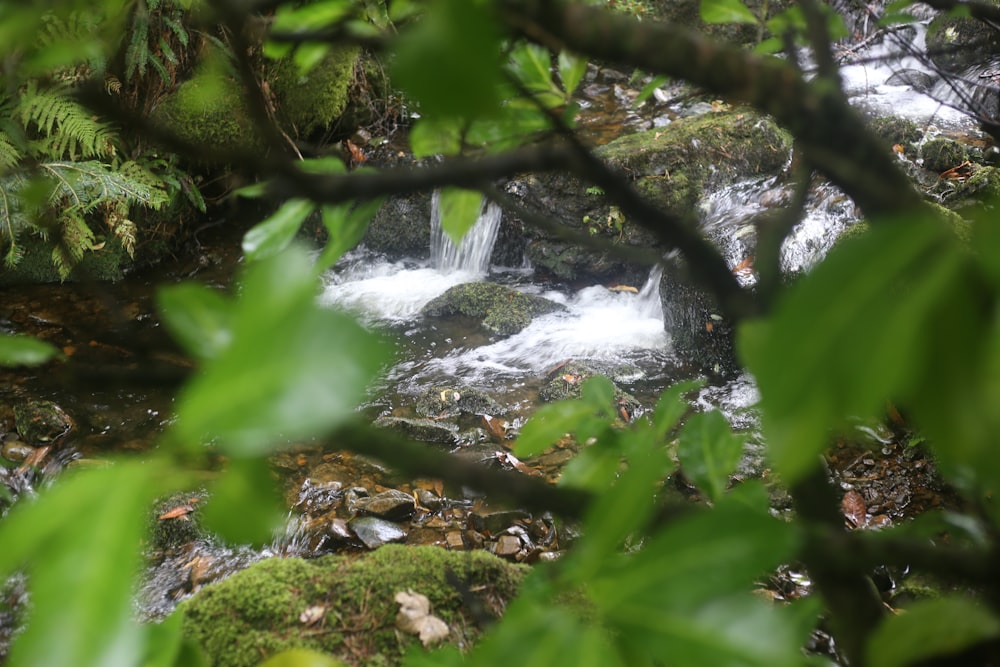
pixel 905 313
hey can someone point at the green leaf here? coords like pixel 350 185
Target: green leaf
pixel 459 211
pixel 548 424
pixel 671 406
pixel 298 657
pixel 346 225
pixel 727 11
pixel 572 68
pixel 245 507
pixel 435 136
pixel 698 558
pixel 532 64
pixel 198 317
pixel 709 452
pixel 21 350
pixel 599 393
pixel 851 335
pixel 272 235
pixel 930 629
pixel 166 645
pixel 449 60
pixel 80 542
pixel 292 370
pixel 648 90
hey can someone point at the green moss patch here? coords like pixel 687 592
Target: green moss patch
pixel 315 99
pixel 262 610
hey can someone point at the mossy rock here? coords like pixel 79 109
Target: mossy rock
pixel 942 154
pixel 254 614
pixel 568 380
pixel 672 167
pixel 947 35
pixel 313 100
pixel 897 131
pixel 209 111
pixel 501 310
pixel 451 402
pixel 40 422
pixel 35 266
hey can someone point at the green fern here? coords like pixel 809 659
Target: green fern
pixel 65 128
pixel 60 198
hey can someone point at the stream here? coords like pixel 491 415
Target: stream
pixel 131 369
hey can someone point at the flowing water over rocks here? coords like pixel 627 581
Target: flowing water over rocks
pixel 457 379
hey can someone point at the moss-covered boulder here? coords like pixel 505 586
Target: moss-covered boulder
pixel 40 422
pixel 209 111
pixel 343 606
pixel 437 402
pixel 502 310
pixel 941 154
pixel 108 264
pixel 313 100
pixel 672 167
pixel 948 37
pixel 402 227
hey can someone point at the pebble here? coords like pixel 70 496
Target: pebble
pixel 508 546
pixel 375 532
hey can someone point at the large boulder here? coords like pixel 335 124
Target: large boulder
pixel 502 310
pixel 672 167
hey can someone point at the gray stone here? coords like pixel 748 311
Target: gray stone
pixel 375 532
pixel 393 505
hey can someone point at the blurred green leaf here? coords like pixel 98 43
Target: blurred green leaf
pixel 166 645
pixel 272 235
pixel 298 657
pixel 709 554
pixel 709 452
pixel 572 68
pixel 21 350
pixel 671 406
pixel 726 11
pixel 197 316
pixel 599 393
pixel 346 225
pixel 435 136
pixel 850 335
pixel 648 90
pixel 930 629
pixel 449 60
pixel 532 65
pixel 548 424
pixel 292 370
pixel 459 211
pixel 245 507
pixel 80 542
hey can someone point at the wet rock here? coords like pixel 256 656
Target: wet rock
pixel 40 422
pixel 494 523
pixel 423 430
pixel 400 228
pixel 451 402
pixel 916 79
pixel 946 35
pixel 375 532
pixel 508 546
pixel 453 540
pixel 429 499
pixel 942 154
pixel 566 381
pixel 319 497
pixel 16 450
pixel 501 310
pixel 393 505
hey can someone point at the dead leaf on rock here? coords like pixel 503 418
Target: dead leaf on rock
pixel 854 509
pixel 415 618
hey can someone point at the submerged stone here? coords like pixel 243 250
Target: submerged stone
pixel 423 430
pixel 256 613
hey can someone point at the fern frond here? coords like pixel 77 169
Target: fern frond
pixel 67 129
pixel 9 153
pixel 74 240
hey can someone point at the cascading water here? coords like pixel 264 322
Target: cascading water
pixel 473 254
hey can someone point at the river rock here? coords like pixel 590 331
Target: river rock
pixel 393 505
pixel 495 523
pixel 375 532
pixel 451 402
pixel 40 422
pixel 422 430
pixel 501 310
pixel 16 450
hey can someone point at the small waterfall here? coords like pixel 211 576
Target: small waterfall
pixel 648 302
pixel 473 255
